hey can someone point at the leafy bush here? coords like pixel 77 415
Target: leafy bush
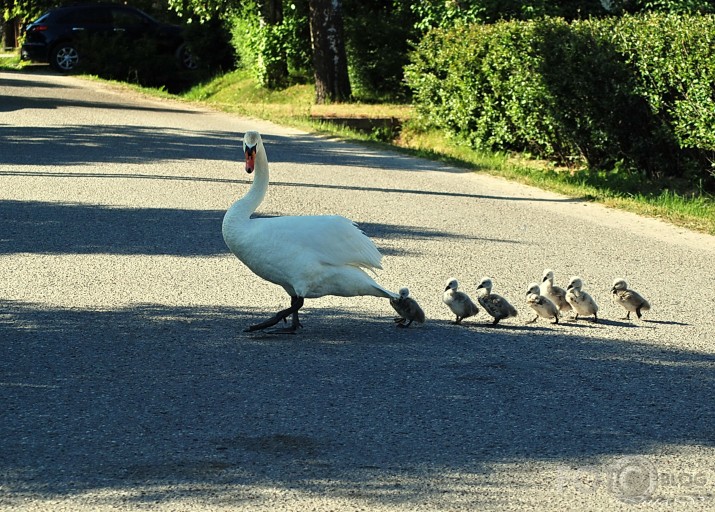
pixel 264 48
pixel 377 35
pixel 441 13
pixel 631 92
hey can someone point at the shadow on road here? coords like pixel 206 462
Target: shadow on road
pixel 142 398
pixel 59 228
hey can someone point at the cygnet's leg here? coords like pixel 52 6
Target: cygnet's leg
pixel 403 325
pixel 295 304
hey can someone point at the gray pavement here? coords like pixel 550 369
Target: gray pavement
pixel 126 382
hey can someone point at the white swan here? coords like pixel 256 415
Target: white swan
pixel 309 256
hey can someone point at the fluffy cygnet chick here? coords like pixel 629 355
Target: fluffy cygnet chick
pixel 408 309
pixel 581 302
pixel 629 299
pixel 459 302
pixel 540 304
pixel 495 305
pixel 555 294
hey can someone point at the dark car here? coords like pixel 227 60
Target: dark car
pixel 57 36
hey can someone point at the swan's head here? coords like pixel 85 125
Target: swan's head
pixel 452 284
pixel 619 285
pixel 575 284
pixel 533 289
pixel 548 275
pixel 250 146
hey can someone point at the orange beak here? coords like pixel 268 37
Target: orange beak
pixel 250 160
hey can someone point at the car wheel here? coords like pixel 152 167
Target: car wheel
pixel 185 58
pixel 64 57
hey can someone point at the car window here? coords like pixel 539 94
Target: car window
pixel 89 16
pixel 125 18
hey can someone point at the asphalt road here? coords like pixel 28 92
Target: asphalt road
pixel 126 381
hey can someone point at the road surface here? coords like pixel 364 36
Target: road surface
pixel 126 382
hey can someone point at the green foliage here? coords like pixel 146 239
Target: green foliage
pixel 627 93
pixel 441 13
pixel 262 47
pixel 210 43
pixel 664 6
pixel 674 57
pixel 377 43
pixel 199 10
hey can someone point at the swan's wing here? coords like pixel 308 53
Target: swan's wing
pixel 330 239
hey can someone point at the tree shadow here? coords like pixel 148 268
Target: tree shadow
pixel 80 144
pixel 22 79
pixel 59 228
pixel 26 81
pixel 147 398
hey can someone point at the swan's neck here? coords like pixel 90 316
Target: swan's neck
pixel 244 207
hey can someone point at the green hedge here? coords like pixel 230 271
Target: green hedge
pixel 634 92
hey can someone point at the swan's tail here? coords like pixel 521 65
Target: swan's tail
pixel 387 293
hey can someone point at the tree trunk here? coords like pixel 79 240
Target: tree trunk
pixel 8 32
pixel 4 25
pixel 330 62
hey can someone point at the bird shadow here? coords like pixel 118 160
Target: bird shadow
pixel 664 322
pixel 616 323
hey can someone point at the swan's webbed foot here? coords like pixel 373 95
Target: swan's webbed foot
pixel 292 329
pixel 295 304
